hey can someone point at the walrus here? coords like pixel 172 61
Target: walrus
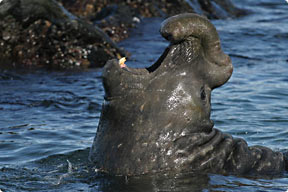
pixel 157 119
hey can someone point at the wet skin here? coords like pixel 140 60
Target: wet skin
pixel 158 119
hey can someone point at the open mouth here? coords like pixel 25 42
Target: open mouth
pixel 194 45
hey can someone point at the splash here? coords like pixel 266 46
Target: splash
pixel 69 172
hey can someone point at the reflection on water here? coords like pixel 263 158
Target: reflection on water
pixel 48 119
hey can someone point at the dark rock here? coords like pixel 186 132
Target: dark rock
pixel 149 8
pixel 42 33
pixel 230 8
pixel 116 17
pixel 115 20
pixel 217 9
pixel 158 119
pixel 212 10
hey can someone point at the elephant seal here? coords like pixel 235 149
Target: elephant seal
pixel 158 118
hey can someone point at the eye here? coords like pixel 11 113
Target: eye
pixel 203 94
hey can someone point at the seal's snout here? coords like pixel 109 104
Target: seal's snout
pixel 182 28
pixel 173 30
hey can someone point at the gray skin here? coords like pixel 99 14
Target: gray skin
pixel 158 119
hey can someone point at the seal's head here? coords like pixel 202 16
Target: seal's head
pixel 204 43
pixel 147 110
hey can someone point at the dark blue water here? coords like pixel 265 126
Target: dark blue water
pixel 48 119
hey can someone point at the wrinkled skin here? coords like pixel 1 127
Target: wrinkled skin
pixel 158 119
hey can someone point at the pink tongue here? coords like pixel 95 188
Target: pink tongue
pixel 122 62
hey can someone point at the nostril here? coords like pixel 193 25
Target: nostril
pixel 168 36
pixel 203 94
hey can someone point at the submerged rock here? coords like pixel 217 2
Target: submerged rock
pixel 157 119
pixel 44 34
